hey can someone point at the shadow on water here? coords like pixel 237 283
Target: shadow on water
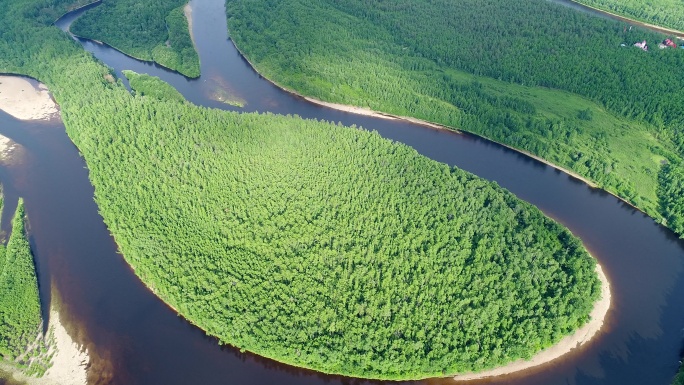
pixel 136 339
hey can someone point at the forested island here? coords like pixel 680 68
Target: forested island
pixel 575 93
pixel 318 245
pixel 22 343
pixel 154 31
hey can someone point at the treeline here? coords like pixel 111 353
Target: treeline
pixel 381 55
pixel 671 192
pixel 318 245
pixel 155 31
pixel 665 13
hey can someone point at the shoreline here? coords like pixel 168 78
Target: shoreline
pixel 98 2
pixel 579 338
pixel 71 360
pixel 23 100
pixel 345 107
pixel 187 11
pixel 566 345
pixel 653 27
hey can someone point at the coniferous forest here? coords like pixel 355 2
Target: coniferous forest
pixel 152 30
pixel 314 244
pixel 20 317
pixel 538 76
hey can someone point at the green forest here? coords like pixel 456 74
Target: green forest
pixel 20 316
pixel 508 71
pixel 314 244
pixel 152 86
pixel 665 13
pixel 153 30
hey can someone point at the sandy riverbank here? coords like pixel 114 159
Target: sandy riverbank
pixel 69 362
pixel 21 99
pixel 566 345
pixel 187 10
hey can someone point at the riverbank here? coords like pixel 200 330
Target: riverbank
pixel 565 346
pixel 69 362
pixel 187 11
pixel 67 28
pixel 344 107
pixel 653 27
pixel 26 101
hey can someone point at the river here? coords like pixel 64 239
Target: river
pixel 134 338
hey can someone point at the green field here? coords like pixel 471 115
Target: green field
pixel 317 245
pixel 665 13
pixel 155 31
pixel 508 71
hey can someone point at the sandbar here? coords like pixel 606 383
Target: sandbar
pixel 69 362
pixel 23 100
pixel 187 10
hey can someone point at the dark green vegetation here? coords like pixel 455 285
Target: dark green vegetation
pixel 20 317
pixel 21 341
pixel 318 245
pixel 672 195
pixel 665 13
pixel 148 30
pixel 679 378
pixel 152 86
pixel 510 71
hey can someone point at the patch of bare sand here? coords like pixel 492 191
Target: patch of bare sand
pixel 347 108
pixel 69 362
pixel 567 344
pixel 6 147
pixel 24 100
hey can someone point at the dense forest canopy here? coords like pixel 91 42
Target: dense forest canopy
pixel 665 13
pixel 20 317
pixel 21 342
pixel 148 30
pixel 532 74
pixel 318 245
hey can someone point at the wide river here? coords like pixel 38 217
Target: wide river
pixel 134 338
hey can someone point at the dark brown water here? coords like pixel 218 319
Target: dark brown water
pixel 135 339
